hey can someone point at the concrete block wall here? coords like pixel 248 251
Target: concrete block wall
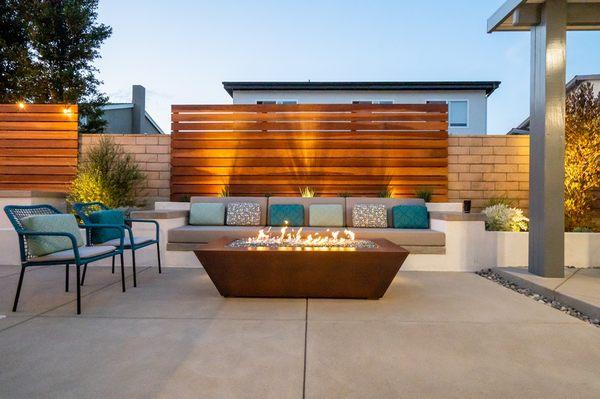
pixel 152 152
pixel 485 167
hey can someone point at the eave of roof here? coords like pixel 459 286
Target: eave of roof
pixel 488 86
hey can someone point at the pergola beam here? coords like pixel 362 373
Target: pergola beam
pixel 579 16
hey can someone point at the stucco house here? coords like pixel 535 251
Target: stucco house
pixel 130 118
pixel 467 101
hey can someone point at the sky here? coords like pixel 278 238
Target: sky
pixel 181 50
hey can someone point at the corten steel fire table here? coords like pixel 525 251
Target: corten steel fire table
pixel 287 272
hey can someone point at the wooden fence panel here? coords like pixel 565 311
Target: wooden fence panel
pixel 38 146
pixel 337 149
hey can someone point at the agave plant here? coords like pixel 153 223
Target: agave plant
pixel 387 193
pixel 224 192
pixel 424 193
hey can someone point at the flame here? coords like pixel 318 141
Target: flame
pixel 291 237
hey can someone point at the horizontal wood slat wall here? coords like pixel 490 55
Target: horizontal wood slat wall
pixel 350 149
pixel 38 146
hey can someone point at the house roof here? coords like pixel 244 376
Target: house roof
pixel 521 15
pixel 488 86
pixel 112 106
pixel 523 127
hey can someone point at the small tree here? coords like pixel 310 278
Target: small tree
pixel 109 175
pixel 582 155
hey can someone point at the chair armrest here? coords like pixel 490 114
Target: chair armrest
pixel 108 226
pixel 146 221
pixel 55 234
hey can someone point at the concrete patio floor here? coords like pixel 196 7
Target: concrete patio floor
pixel 450 335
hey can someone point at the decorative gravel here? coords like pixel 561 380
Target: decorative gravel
pixel 495 277
pixel 290 244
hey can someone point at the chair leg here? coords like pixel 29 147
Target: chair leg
pixel 78 290
pixel 19 288
pixel 158 255
pixel 84 271
pixel 67 277
pixel 113 265
pixel 122 273
pixel 134 273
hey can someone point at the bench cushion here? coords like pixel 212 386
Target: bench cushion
pixel 203 234
pixel 84 252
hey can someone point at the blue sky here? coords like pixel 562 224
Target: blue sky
pixel 181 51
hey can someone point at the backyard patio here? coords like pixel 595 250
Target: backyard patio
pixel 432 335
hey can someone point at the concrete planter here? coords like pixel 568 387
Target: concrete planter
pixel 512 249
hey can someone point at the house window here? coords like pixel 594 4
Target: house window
pixel 458 112
pixel 277 101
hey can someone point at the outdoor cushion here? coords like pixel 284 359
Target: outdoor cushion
pixel 410 217
pixel 291 215
pixel 326 215
pixel 369 215
pixel 84 252
pixel 207 214
pixel 115 242
pixel 389 203
pixel 243 214
pixel 262 201
pixel 57 223
pixel 204 234
pixel 111 216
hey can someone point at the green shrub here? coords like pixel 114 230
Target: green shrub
pixel 109 175
pixel 501 217
pixel 424 193
pixel 307 192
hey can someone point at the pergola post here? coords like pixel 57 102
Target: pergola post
pixel 547 141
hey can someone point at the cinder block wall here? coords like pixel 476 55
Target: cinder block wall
pixel 480 167
pixel 152 152
pixel 484 167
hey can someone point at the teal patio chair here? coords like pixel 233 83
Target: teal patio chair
pixel 76 253
pixel 86 210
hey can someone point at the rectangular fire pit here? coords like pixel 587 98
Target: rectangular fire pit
pixel 302 272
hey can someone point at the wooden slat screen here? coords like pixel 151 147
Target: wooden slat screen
pixel 350 149
pixel 38 146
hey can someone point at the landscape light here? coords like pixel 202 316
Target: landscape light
pixel 21 105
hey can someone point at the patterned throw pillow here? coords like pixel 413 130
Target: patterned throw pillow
pixel 243 214
pixel 59 223
pixel 369 215
pixel 286 215
pixel 410 217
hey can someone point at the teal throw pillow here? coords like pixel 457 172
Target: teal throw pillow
pixel 410 217
pixel 58 223
pixel 293 214
pixel 207 214
pixel 112 216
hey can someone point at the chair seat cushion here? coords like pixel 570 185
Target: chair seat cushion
pixel 115 242
pixel 111 216
pixel 84 252
pixel 286 214
pixel 57 223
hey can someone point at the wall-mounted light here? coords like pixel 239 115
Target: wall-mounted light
pixel 67 110
pixel 21 105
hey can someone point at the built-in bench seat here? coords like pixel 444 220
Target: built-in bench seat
pixel 417 241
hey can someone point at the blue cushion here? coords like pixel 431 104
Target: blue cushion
pixel 410 217
pixel 207 214
pixel 112 216
pixel 293 214
pixel 58 223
